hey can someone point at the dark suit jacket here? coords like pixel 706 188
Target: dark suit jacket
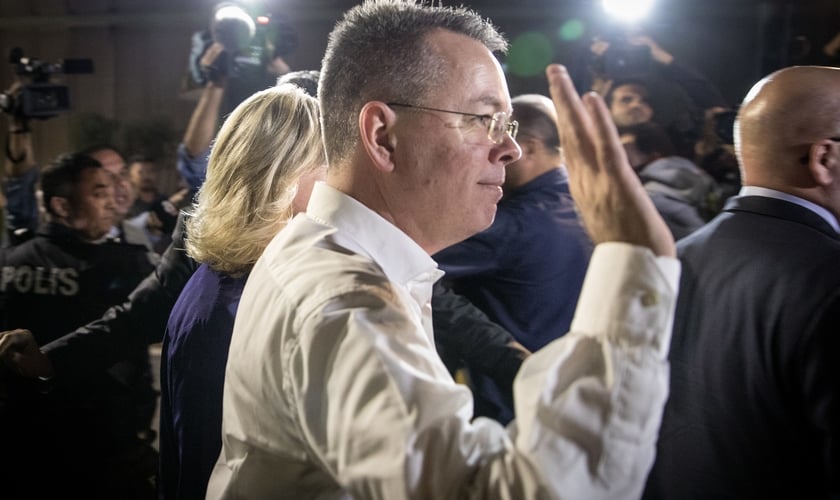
pixel 755 359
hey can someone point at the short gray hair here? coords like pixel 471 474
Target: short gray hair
pixel 378 51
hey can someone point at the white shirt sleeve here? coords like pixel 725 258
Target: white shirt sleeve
pixel 589 405
pixel 379 412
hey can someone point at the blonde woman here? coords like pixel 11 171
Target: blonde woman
pixel 261 169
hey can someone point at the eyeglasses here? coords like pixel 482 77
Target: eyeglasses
pixel 498 124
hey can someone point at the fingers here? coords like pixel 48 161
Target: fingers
pixel 608 144
pixel 573 120
pixel 569 106
pixel 9 341
pixel 13 342
pixel 20 352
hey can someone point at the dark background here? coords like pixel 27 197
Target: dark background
pixel 140 49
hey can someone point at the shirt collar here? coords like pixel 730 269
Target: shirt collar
pixel 364 231
pixel 779 195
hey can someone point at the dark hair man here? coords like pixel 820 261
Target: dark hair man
pixel 629 103
pixel 81 439
pixel 113 161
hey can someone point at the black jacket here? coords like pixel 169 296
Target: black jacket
pixel 755 359
pixel 64 437
pixel 140 320
pixel 55 281
pixel 466 338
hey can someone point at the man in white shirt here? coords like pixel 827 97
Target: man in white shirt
pixel 333 387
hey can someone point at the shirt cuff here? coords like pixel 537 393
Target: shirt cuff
pixel 628 297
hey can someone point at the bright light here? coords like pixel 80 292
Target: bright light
pixel 235 12
pixel 628 10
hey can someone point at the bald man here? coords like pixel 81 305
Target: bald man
pixel 755 356
pixel 526 270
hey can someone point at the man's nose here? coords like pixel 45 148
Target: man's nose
pixel 507 151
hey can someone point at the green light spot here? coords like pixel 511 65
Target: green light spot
pixel 529 54
pixel 571 30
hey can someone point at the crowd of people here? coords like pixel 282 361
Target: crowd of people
pixel 389 278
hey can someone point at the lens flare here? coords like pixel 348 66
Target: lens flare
pixel 529 54
pixel 571 30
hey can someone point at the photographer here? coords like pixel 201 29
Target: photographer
pixel 229 69
pixel 32 95
pixel 20 174
pixel 676 94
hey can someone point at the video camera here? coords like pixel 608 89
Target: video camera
pixel 250 43
pixel 39 98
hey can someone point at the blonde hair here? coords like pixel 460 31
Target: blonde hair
pixel 266 144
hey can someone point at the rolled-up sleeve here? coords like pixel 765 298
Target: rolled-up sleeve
pixel 589 405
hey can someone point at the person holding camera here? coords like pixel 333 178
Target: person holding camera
pixel 20 179
pixel 642 82
pixel 229 70
pixel 195 146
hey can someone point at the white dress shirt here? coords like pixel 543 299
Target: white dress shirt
pixel 334 389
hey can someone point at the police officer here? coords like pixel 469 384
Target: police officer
pixel 82 439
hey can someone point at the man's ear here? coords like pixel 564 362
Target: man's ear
pixel 60 206
pixel 824 162
pixel 529 146
pixel 376 124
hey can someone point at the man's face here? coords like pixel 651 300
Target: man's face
pixel 91 211
pixel 124 194
pixel 143 175
pixel 629 105
pixel 448 174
